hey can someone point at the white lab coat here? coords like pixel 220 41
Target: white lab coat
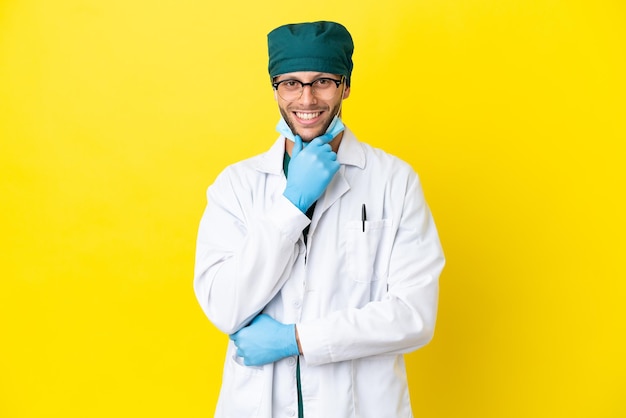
pixel 360 299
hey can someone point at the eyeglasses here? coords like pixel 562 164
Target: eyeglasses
pixel 323 88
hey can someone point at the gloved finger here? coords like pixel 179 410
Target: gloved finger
pixel 322 150
pixel 326 138
pixel 321 140
pixel 297 147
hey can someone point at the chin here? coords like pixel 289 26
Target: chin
pixel 308 137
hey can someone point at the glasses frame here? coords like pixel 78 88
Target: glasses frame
pixel 302 85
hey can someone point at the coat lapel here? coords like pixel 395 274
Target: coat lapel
pixel 350 153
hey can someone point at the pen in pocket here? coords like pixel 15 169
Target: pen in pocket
pixel 363 216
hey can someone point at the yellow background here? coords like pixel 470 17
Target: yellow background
pixel 116 115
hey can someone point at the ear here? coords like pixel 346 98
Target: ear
pixel 346 93
pixel 275 95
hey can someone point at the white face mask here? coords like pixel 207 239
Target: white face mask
pixel 335 127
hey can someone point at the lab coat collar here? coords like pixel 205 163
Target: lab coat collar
pixel 350 153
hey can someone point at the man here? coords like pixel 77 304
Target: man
pixel 319 257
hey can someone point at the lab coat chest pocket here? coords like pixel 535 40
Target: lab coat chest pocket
pixel 365 249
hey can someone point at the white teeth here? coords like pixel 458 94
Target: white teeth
pixel 307 116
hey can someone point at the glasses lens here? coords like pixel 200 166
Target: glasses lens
pixel 290 90
pixel 324 88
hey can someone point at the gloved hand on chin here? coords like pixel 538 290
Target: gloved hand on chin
pixel 310 171
pixel 265 340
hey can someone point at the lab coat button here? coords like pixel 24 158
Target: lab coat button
pixel 291 412
pixel 291 361
pixel 297 303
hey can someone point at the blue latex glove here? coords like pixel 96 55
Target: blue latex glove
pixel 310 171
pixel 265 341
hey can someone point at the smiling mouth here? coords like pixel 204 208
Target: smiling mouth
pixel 307 115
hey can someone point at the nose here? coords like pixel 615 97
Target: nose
pixel 307 95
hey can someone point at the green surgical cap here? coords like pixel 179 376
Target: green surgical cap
pixel 317 46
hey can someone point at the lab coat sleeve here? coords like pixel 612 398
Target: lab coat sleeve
pixel 245 250
pixel 402 321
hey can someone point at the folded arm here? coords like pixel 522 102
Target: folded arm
pixel 244 253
